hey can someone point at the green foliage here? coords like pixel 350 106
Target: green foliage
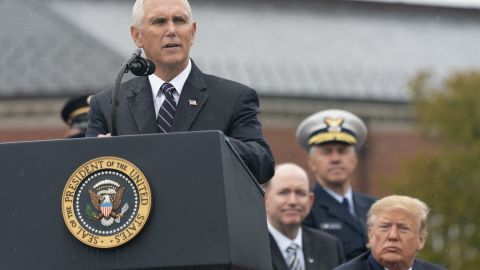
pixel 91 214
pixel 448 179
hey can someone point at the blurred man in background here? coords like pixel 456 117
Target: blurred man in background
pixel 288 200
pixel 75 115
pixel 332 139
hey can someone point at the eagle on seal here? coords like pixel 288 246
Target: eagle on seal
pixel 107 208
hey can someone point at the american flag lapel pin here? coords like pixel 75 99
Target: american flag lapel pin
pixel 192 102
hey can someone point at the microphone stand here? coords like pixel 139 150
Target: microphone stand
pixel 116 87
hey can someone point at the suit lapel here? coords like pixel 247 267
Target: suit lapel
pixel 361 210
pixel 335 209
pixel 361 207
pixel 278 261
pixel 191 101
pixel 418 266
pixel 310 252
pixel 140 102
pixel 372 264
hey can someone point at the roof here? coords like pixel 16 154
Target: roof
pixel 43 54
pixel 441 3
pixel 319 49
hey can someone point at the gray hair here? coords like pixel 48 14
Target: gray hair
pixel 413 206
pixel 138 12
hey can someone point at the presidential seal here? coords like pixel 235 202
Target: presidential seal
pixel 106 202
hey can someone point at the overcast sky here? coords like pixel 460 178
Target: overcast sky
pixel 451 3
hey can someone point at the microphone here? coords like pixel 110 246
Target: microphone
pixel 138 66
pixel 141 66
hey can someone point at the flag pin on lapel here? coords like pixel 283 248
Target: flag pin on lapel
pixel 192 102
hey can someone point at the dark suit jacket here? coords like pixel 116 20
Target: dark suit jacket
pixel 330 216
pixel 220 105
pixel 362 263
pixel 321 250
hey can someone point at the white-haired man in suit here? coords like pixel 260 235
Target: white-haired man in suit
pixel 397 231
pixel 178 96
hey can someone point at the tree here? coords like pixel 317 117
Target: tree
pixel 447 178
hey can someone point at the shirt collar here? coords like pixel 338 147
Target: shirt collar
pixel 376 265
pixel 282 241
pixel 178 82
pixel 339 197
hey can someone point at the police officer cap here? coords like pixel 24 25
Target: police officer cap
pixel 332 126
pixel 75 111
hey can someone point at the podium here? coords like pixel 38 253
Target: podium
pixel 207 210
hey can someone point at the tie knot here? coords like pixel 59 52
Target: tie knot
pixel 347 206
pixel 167 88
pixel 293 247
pixel 346 203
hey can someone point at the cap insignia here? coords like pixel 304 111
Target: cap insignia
pixel 334 124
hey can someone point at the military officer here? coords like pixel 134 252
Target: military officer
pixel 75 115
pixel 332 139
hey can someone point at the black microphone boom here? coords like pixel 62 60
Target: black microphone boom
pixel 138 66
pixel 141 67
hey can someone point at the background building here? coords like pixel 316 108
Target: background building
pixel 301 56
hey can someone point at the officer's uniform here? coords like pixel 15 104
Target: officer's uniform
pixel 327 213
pixel 75 115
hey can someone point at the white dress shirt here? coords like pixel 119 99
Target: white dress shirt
pixel 178 82
pixel 283 242
pixel 339 198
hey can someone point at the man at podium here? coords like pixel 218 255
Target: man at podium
pixel 178 96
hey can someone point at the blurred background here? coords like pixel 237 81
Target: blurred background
pixel 410 69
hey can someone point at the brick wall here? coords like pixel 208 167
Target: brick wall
pixel 384 157
pixel 31 134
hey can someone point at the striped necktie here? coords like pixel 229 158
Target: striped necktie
pixel 167 110
pixel 293 262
